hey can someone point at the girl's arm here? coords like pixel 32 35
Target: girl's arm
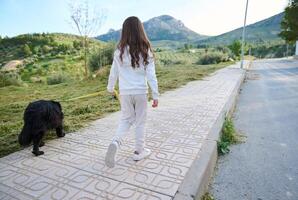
pixel 151 78
pixel 113 74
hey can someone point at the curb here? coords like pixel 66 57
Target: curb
pixel 196 180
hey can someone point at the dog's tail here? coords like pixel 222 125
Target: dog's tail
pixel 25 137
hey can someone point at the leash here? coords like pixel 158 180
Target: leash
pixel 116 96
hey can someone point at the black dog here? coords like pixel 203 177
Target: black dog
pixel 39 117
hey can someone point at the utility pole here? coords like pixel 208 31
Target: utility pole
pixel 296 52
pixel 243 36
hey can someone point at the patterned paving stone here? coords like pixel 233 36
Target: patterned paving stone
pixel 73 167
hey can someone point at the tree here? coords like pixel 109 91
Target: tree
pixel 235 47
pixel 63 48
pixel 186 46
pixel 101 57
pixel 86 25
pixel 289 24
pixel 46 49
pixel 77 44
pixel 26 51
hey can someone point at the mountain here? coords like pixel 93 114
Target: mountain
pixel 163 27
pixel 263 30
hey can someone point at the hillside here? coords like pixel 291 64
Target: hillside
pixel 163 27
pixel 45 58
pixel 264 30
pixel 38 46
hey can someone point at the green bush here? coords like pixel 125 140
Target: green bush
pixel 35 50
pixel 26 74
pixel 212 58
pixel 207 196
pixel 40 71
pixel 229 132
pixel 158 50
pixel 46 49
pixel 63 48
pixel 7 79
pixel 101 57
pixel 25 51
pixel 223 49
pixel 45 65
pixel 57 78
pixel 228 137
pixel 235 47
pixel 95 60
pixel 166 61
pixel 77 44
pixel 223 147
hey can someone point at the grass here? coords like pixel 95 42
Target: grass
pixel 207 196
pixel 80 111
pixel 229 136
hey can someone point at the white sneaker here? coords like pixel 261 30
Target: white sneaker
pixel 110 155
pixel 145 153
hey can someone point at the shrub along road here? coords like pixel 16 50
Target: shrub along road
pixel 265 166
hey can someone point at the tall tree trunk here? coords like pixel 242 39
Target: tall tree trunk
pixel 85 56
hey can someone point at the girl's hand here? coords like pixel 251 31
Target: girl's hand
pixel 113 95
pixel 155 103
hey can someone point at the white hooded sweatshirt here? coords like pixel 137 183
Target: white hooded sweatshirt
pixel 133 80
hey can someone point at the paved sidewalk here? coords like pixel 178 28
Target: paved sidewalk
pixel 73 167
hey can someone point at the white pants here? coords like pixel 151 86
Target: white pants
pixel 133 111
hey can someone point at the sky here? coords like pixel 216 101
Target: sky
pixel 208 17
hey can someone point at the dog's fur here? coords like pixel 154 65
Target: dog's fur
pixel 39 117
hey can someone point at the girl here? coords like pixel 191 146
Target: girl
pixel 133 65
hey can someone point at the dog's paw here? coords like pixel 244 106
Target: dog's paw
pixel 41 144
pixel 61 134
pixel 38 153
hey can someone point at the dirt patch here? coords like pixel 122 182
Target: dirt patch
pixel 12 65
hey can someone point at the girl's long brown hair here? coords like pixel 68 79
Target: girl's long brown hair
pixel 134 36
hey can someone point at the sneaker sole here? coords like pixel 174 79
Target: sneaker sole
pixel 110 156
pixel 143 157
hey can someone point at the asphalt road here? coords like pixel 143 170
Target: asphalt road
pixel 265 167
